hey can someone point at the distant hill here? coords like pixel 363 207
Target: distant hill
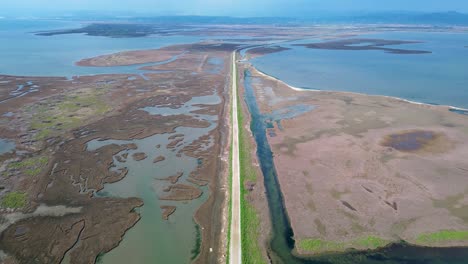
pixel 445 18
pixel 451 18
pixel 442 18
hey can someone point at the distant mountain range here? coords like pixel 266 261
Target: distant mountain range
pixel 441 18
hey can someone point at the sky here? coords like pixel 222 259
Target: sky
pixel 234 7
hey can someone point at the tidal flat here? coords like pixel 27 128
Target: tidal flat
pixel 92 142
pixel 363 172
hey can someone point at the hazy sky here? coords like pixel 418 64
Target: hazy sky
pixel 236 7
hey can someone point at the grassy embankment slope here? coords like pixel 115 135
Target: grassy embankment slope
pixel 251 250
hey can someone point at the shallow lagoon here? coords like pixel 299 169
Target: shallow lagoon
pixel 437 78
pixel 152 239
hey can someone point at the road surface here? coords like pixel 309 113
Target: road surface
pixel 235 250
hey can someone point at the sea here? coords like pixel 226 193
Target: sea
pixel 440 77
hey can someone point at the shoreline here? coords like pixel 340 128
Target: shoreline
pixel 356 93
pixel 324 248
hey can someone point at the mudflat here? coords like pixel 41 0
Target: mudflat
pixel 366 44
pixel 53 121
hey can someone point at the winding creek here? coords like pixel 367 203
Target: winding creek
pixel 282 242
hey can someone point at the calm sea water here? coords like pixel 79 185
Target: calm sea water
pixel 23 53
pixel 437 78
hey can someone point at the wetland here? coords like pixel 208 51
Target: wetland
pixel 114 142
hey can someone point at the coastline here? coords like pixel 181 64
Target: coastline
pixel 369 245
pixel 448 107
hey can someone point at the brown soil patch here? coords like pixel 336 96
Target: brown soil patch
pixel 159 159
pixel 139 156
pixel 86 233
pixel 365 44
pixel 168 210
pixel 261 51
pixel 174 178
pixel 181 192
pixel 129 58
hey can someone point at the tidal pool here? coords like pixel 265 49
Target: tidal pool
pixel 6 146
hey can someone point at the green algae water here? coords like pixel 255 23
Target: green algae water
pixel 282 243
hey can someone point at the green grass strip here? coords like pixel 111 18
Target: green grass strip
pixel 442 236
pixel 321 246
pixel 250 221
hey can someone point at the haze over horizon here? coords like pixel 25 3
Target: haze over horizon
pixel 240 8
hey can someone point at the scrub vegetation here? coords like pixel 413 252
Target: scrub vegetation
pixel 14 200
pixel 198 240
pixel 30 166
pixel 50 118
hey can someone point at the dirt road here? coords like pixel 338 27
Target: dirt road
pixel 235 256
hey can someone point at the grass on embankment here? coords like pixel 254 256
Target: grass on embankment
pixel 441 237
pixel 317 246
pixel 229 202
pixel 250 221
